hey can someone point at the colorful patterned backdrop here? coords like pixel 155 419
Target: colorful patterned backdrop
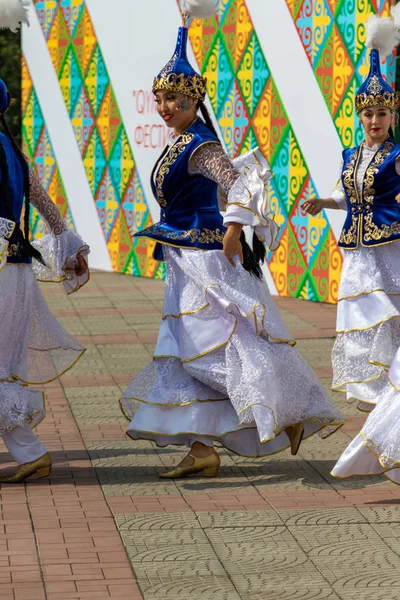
pixel 247 107
pixel 333 36
pixel 250 112
pixel 100 134
pixel 37 147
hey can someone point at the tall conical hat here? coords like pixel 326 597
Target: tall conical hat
pixel 178 75
pixel 382 35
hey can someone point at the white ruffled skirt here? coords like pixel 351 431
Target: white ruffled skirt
pixel 368 322
pixel 367 345
pixel 224 369
pixel 34 348
pixel 376 449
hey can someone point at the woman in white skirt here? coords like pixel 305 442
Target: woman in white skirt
pixel 224 369
pixel 376 449
pixel 34 348
pixel 368 317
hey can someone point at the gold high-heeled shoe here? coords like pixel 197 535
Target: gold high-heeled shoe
pixel 209 465
pixel 42 466
pixel 295 434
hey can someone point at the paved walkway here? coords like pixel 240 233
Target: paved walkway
pixel 105 526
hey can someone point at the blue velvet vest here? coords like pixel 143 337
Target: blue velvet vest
pixel 16 193
pixel 190 217
pixel 373 218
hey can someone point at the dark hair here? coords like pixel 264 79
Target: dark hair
pixel 391 132
pixel 253 258
pixel 23 238
pixel 207 119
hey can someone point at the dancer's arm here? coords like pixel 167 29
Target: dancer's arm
pixel 337 201
pixel 242 188
pixel 313 206
pixel 211 161
pixel 63 251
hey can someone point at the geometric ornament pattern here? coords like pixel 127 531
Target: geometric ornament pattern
pixel 100 134
pixel 249 111
pixel 39 151
pixel 333 36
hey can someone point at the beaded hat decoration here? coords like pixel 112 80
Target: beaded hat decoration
pixel 382 35
pixel 178 74
pixel 375 91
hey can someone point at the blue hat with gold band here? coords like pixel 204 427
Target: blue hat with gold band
pixel 375 91
pixel 382 35
pixel 178 74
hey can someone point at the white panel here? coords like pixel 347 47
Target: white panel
pixel 304 103
pixel 65 147
pixel 144 46
pixel 136 39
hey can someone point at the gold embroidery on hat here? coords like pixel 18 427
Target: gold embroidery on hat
pixel 194 86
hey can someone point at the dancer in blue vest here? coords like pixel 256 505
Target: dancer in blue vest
pixel 34 348
pixel 224 369
pixel 368 317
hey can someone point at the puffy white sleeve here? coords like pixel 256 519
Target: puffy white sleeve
pixel 242 188
pixel 60 248
pixel 338 194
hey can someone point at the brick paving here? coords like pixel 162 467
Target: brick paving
pixel 104 526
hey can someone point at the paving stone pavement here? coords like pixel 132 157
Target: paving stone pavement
pixel 104 526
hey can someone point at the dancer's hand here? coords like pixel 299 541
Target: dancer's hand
pixel 78 266
pixel 398 198
pixel 312 206
pixel 81 266
pixel 232 245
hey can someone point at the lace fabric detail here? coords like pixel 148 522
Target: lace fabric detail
pixel 34 348
pixel 369 269
pixel 254 375
pixel 251 367
pixel 164 382
pixel 211 161
pixel 6 227
pixel 19 406
pixel 381 431
pixel 45 206
pixel 60 249
pixel 364 357
pixel 265 405
pixel 190 274
pixel 242 191
pixel 358 356
pixel 60 253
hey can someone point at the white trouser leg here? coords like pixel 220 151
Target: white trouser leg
pixel 23 444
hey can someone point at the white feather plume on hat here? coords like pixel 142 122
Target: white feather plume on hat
pixel 13 13
pixel 395 12
pixel 199 9
pixel 382 34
